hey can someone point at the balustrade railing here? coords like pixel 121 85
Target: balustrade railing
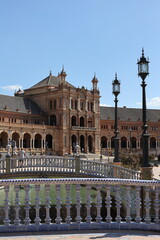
pixel 79 203
pixel 75 165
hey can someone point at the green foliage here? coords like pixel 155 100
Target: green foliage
pixel 131 160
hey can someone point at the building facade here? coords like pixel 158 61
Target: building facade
pixel 53 116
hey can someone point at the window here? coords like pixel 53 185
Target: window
pixel 50 104
pixel 55 104
pixel 82 106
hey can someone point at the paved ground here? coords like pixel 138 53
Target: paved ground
pixel 107 235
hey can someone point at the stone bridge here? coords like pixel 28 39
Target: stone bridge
pixel 48 166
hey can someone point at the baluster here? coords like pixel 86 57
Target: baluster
pixel 108 204
pixel 157 205
pixel 128 204
pixel 37 219
pixel 78 203
pixel 6 206
pixel 88 203
pixel 68 204
pixel 118 204
pixel 27 220
pixel 138 204
pixel 98 204
pixel 47 206
pixel 58 204
pixel 147 205
pixel 17 205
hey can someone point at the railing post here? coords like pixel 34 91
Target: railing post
pixel 77 164
pixel 8 164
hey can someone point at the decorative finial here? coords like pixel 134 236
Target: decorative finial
pixel 142 52
pixel 115 76
pixel 95 74
pixel 50 73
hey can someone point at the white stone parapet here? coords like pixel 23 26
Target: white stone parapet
pixel 104 204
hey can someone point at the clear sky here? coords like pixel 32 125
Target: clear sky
pixel 87 36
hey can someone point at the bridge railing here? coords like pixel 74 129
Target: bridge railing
pixel 79 203
pixel 75 165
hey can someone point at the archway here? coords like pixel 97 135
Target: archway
pixel 48 141
pixel 15 137
pixel 103 142
pixel 38 138
pixel 3 139
pixel 123 142
pixel 152 142
pixel 81 121
pixel 90 143
pixel 133 142
pixel 74 121
pixel 26 140
pixel 82 143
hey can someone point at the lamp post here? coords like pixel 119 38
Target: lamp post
pixel 116 91
pixel 143 71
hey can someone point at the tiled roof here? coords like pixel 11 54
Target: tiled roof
pixel 50 81
pixel 129 114
pixel 18 104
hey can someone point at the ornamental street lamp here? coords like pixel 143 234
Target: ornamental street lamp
pixel 143 71
pixel 116 91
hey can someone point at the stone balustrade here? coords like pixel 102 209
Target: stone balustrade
pixel 61 165
pixel 79 203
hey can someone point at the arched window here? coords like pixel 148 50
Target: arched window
pixel 53 121
pixel 38 141
pixel 81 121
pixel 26 140
pixel 90 144
pixel 73 121
pixel 133 142
pixel 48 141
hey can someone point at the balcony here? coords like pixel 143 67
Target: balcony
pixel 84 128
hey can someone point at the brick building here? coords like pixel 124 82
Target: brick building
pixel 53 115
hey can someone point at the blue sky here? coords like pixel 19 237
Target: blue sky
pixel 87 36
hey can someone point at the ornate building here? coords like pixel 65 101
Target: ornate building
pixel 53 116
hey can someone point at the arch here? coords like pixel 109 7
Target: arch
pixel 90 143
pixel 53 120
pixel 112 142
pixel 82 143
pixel 152 142
pixel 26 140
pixel 38 139
pixel 90 122
pixel 49 141
pixel 133 142
pixel 103 142
pixel 123 142
pixel 74 121
pixel 3 139
pixel 15 137
pixel 74 140
pixel 81 121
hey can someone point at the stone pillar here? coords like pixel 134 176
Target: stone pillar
pixel 8 164
pixel 77 164
pixel 147 173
